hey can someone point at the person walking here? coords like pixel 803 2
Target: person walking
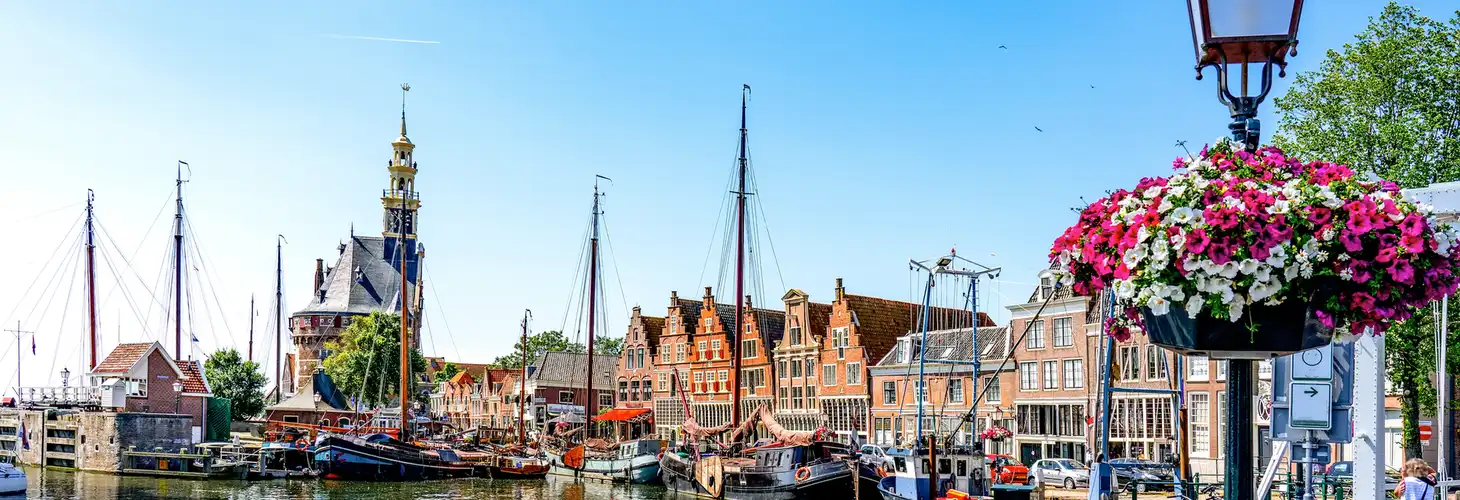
pixel 1417 485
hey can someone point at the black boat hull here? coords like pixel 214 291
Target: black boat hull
pixel 354 460
pixel 678 477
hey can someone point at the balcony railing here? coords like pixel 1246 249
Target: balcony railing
pixel 398 193
pixel 70 395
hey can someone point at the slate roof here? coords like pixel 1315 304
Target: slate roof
pixel 880 322
pixel 193 381
pixel 123 357
pixel 561 369
pixel 690 309
pixel 956 344
pixel 820 317
pixel 652 327
pixel 303 399
pixel 772 325
pixel 361 281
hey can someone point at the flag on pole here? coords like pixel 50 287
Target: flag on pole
pixel 32 345
pixel 24 441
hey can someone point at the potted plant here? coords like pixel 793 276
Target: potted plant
pixel 1254 255
pixel 996 433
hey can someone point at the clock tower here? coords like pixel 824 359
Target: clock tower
pixel 401 203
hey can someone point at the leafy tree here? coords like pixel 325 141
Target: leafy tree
pixel 542 342
pixel 608 346
pixel 448 371
pixel 365 359
pixel 238 380
pixel 1385 105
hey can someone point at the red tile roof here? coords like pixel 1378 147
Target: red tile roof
pixel 123 357
pixel 881 321
pixel 193 382
pixel 462 378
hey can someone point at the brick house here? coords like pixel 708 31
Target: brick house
pixel 951 386
pixel 558 383
pixel 636 372
pixel 147 372
pixel 796 358
pixel 1055 372
pixel 764 328
pixel 672 365
pixel 710 362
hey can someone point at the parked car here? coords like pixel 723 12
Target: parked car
pixel 1008 470
pixel 875 454
pixel 1061 472
pixel 1138 471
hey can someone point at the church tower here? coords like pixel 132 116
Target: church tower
pixel 401 202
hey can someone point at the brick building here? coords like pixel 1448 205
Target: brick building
pixel 147 372
pixel 636 364
pixel 1054 372
pixel 558 383
pixel 951 388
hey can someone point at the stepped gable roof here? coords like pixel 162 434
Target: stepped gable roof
pixel 463 378
pixel 954 344
pixel 772 324
pixel 563 369
pixel 690 309
pixel 653 326
pixel 361 281
pixel 192 379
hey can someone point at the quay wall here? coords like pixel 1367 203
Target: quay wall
pixel 95 440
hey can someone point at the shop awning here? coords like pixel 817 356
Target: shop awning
pixel 620 414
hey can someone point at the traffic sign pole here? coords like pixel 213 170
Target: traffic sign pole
pixel 1308 446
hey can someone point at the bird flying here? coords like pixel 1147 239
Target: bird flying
pixel 1039 129
pixel 1003 47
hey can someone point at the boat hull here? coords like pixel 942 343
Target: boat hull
pixel 833 479
pixel 354 460
pixel 640 469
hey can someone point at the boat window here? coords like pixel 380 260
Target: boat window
pixel 900 463
pixel 924 469
pixel 963 467
pixel 945 466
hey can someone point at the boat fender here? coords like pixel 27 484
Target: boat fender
pixel 301 444
pixel 803 474
pixel 881 472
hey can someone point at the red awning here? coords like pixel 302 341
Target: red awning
pixel 620 414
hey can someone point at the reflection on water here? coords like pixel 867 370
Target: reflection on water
pixel 65 485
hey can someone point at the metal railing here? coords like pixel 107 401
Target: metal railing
pixel 74 395
pixel 399 193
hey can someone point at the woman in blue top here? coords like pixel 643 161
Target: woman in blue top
pixel 1416 485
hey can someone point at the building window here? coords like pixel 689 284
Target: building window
pixel 955 391
pixel 1221 418
pixel 641 358
pixel 795 368
pixel 1197 368
pixel 795 336
pixel 810 397
pixel 633 390
pixel 920 392
pixel 839 340
pixel 1155 363
pixel 1036 335
pixel 1130 362
pixel 724 380
pixel 1064 332
pixel 704 350
pixel 663 381
pixel 1051 375
pixel 1221 369
pixel 679 352
pixel 782 368
pixel 604 401
pixel 623 391
pixel 1028 378
pixel 828 374
pixel 854 373
pixel 748 348
pixel 991 388
pixel 628 359
pixel 1200 421
pixel 1074 373
pixel 715 349
pixel 784 403
pixel 796 398
pixel 889 393
pixel 810 367
pixel 699 382
pixel 565 397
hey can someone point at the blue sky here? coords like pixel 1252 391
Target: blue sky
pixel 880 132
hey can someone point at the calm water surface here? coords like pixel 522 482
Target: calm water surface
pixel 64 485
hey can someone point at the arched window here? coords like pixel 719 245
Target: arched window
pixel 344 421
pixel 324 422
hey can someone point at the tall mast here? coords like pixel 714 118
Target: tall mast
pixel 734 338
pixel 278 321
pixel 590 403
pixel 177 265
pixel 522 393
pixel 405 330
pixel 92 337
pixel 250 326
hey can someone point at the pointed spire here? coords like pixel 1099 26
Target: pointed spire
pixel 404 87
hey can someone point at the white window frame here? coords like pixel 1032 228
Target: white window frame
pixel 1051 377
pixel 715 348
pixel 955 390
pixel 1028 372
pixel 704 349
pixel 679 352
pixel 828 374
pixel 1035 341
pixel 748 349
pixel 1197 368
pixel 1199 419
pixel 1069 332
pixel 1074 369
pixel 854 373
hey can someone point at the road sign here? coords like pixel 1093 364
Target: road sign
pixel 1341 420
pixel 1321 455
pixel 1310 405
pixel 1313 364
pixel 1426 430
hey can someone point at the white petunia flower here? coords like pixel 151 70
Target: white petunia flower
pixel 1290 192
pixel 1279 207
pixel 1247 266
pixel 1262 290
pixel 1236 309
pixel 1183 216
pixel 1152 192
pixel 1290 272
pixel 1176 190
pixel 1263 273
pixel 1276 256
pixel 1134 256
pixel 1165 206
pixel 1193 305
pixel 1229 270
pixel 1125 289
pixel 1159 306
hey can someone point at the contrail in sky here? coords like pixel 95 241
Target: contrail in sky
pixel 379 39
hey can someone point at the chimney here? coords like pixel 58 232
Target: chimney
pixel 840 292
pixel 709 298
pixel 673 298
pixel 318 275
pixel 747 302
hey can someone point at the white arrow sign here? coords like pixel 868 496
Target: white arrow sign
pixel 1310 405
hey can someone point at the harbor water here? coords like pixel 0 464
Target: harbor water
pixel 66 485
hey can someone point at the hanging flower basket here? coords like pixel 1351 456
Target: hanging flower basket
pixel 996 433
pixel 1242 255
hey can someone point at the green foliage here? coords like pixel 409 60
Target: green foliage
pixel 365 359
pixel 448 371
pixel 555 341
pixel 241 381
pixel 1385 105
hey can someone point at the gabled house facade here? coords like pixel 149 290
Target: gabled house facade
pixel 636 373
pixel 146 373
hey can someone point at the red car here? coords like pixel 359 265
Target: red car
pixel 1007 470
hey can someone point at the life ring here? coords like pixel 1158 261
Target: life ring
pixel 301 444
pixel 803 474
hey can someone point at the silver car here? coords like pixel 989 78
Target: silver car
pixel 1059 472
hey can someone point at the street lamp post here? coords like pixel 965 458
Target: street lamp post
pixel 177 389
pixel 1242 32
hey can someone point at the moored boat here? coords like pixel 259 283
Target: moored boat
pixel 12 480
pixel 776 471
pixel 378 457
pixel 635 461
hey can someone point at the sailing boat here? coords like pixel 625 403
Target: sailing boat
pixel 630 461
pixel 926 471
pixel 518 461
pixel 796 464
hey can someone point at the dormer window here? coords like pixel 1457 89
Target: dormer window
pixel 1046 285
